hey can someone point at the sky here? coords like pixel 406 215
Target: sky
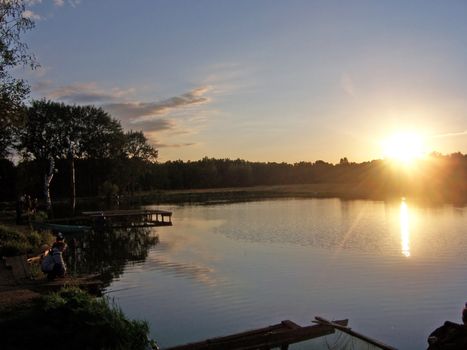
pixel 260 80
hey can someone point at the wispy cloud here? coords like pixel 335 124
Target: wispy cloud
pixel 42 85
pixel 150 117
pixel 155 117
pixel 152 125
pixel 173 145
pixel 230 78
pixel 33 2
pixel 83 93
pixel 73 3
pixel 56 3
pixel 451 134
pixel 135 110
pixel 347 84
pixel 31 15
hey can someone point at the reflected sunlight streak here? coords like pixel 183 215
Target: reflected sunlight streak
pixel 405 232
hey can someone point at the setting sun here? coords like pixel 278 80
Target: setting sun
pixel 403 147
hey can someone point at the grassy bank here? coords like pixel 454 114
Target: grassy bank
pixel 19 240
pixel 71 319
pixel 68 319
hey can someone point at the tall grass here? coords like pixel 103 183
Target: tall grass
pixel 72 319
pixel 15 242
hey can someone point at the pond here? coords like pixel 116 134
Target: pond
pixel 395 269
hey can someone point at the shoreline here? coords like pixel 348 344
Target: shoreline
pixel 239 194
pixel 344 191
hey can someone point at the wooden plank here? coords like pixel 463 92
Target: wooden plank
pixel 136 212
pixel 269 337
pixel 129 218
pixel 349 331
pixel 254 332
pixel 289 324
pixel 148 224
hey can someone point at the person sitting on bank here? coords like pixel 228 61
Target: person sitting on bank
pixel 53 264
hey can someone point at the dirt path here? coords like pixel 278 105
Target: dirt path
pixel 11 292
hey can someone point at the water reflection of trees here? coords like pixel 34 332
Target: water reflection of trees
pixel 107 252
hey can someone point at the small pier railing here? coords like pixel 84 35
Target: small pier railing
pixel 129 218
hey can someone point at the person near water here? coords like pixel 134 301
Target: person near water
pixel 53 264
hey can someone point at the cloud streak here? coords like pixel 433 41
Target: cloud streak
pixel 135 110
pixel 173 145
pixel 452 134
pixel 152 125
pixel 115 100
pixel 347 84
pixel 177 115
pixel 82 93
pixel 31 15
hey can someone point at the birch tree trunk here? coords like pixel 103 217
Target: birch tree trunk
pixel 72 184
pixel 48 176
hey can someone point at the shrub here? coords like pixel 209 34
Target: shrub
pixel 13 242
pixel 72 319
pixel 108 189
pixel 40 216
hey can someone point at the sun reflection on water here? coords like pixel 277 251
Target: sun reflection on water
pixel 405 232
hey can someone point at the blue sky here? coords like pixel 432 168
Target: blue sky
pixel 261 80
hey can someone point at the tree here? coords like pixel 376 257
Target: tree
pixel 344 161
pixel 134 163
pixel 89 132
pixel 42 139
pixel 57 131
pixel 137 146
pixel 13 53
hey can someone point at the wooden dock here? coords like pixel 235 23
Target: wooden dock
pixel 280 335
pixel 129 218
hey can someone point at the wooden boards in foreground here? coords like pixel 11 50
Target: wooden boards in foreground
pixel 281 335
pixel 276 336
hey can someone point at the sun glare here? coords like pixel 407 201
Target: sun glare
pixel 404 148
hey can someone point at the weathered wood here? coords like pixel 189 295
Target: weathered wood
pixel 279 335
pixel 128 212
pixel 349 331
pixel 130 218
pixel 290 324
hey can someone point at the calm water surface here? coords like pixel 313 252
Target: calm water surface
pixel 396 270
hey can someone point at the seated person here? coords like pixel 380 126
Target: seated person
pixel 53 264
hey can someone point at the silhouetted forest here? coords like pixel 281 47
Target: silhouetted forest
pixel 436 178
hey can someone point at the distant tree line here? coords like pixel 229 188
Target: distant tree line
pixel 438 177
